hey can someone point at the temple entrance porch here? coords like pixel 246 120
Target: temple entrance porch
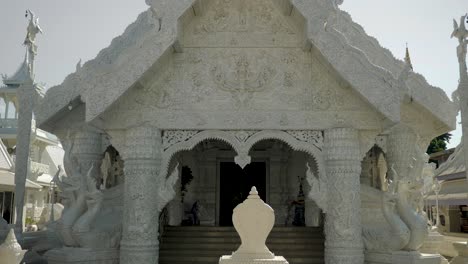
pixel 330 160
pixel 211 184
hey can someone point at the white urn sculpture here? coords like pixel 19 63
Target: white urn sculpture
pixel 253 220
pixel 10 251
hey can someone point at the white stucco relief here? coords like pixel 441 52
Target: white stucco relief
pixel 197 90
pixel 174 141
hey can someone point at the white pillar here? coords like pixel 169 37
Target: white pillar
pixel 461 34
pixel 142 161
pixel 7 103
pixel 209 200
pixel 22 164
pixel 343 229
pixel 276 187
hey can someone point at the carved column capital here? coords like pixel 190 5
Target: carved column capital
pixel 142 143
pixel 343 221
pixel 88 144
pixel 340 142
pixel 401 147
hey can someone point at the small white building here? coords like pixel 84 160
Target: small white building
pixel 46 154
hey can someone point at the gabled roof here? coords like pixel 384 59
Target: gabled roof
pixel 20 76
pixel 55 154
pixel 7 177
pixel 454 167
pixel 369 69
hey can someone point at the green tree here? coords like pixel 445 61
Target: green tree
pixel 439 143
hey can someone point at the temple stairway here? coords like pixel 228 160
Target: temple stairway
pixel 204 245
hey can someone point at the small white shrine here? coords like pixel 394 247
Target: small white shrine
pixel 198 100
pixel 253 220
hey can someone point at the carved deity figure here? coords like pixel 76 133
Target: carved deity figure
pixel 30 39
pixel 299 208
pixel 336 3
pixel 33 28
pixel 105 167
pixel 461 33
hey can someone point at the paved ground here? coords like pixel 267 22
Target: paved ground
pixel 447 248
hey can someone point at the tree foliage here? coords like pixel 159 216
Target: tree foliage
pixel 439 143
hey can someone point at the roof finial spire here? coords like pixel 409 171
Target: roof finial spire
pixel 30 41
pixel 408 58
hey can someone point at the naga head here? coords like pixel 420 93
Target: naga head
pixel 409 183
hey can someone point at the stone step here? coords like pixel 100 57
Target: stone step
pixel 233 246
pixel 205 245
pixel 278 240
pixel 232 229
pixel 215 260
pixel 185 234
pixel 218 252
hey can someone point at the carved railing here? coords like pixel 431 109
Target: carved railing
pixel 39 168
pixel 8 123
pixel 163 221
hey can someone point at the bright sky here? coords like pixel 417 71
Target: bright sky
pixel 76 30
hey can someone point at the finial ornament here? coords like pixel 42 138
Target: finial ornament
pixel 30 41
pixel 408 57
pixel 337 3
pixel 461 33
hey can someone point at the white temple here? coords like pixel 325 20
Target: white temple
pixel 198 100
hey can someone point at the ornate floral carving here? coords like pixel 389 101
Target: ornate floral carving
pixel 241 16
pixel 157 94
pixel 309 136
pixel 172 137
pixel 242 81
pixel 243 135
pixel 325 99
pixel 242 141
pixel 289 78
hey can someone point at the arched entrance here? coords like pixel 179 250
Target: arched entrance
pixel 226 164
pixel 223 166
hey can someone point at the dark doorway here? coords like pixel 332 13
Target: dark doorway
pixel 235 185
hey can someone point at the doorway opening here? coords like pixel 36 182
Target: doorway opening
pixel 235 185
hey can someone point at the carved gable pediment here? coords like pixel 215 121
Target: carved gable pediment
pixel 240 23
pixel 243 65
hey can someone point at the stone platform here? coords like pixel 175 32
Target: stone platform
pixel 402 257
pixel 82 256
pixel 230 260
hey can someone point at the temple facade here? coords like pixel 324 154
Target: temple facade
pixel 199 100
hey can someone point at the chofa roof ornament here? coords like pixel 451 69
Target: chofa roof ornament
pixel 30 40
